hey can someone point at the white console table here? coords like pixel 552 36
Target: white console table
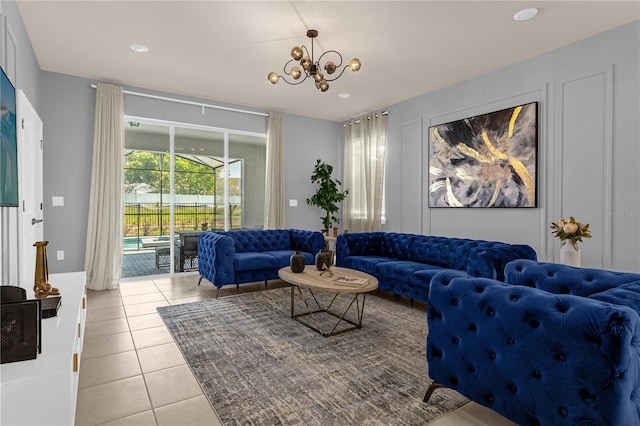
pixel 43 391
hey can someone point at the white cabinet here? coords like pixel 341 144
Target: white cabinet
pixel 43 391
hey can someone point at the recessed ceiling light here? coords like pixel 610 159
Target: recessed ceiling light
pixel 344 95
pixel 524 14
pixel 138 48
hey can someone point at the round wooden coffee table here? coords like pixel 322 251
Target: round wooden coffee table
pixel 336 280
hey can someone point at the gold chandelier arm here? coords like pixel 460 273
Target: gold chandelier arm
pixel 339 75
pixel 338 65
pixel 295 82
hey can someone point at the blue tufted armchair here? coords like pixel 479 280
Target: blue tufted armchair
pixel 552 345
pixel 242 256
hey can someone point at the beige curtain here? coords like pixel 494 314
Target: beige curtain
pixel 275 209
pixel 103 255
pixel 364 153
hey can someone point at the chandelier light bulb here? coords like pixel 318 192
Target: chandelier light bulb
pixel 330 67
pixel 323 86
pixel 306 63
pixel 296 53
pixel 296 73
pixel 273 77
pixel 355 64
pixel 318 76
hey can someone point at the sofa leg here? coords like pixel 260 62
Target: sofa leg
pixel 200 280
pixel 217 291
pixel 265 283
pixel 238 287
pixel 432 387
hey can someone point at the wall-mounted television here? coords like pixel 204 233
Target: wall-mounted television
pixel 8 144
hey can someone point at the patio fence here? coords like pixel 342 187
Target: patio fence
pixel 153 219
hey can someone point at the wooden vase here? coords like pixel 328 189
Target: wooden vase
pixel 324 259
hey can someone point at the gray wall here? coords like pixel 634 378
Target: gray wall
pixel 589 140
pixel 308 140
pixel 68 105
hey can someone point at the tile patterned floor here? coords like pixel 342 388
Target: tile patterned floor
pixel 132 373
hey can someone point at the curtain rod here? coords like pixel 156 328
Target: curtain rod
pixel 368 117
pixel 180 101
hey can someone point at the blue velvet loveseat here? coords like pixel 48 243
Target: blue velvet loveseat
pixel 405 263
pixel 552 345
pixel 242 256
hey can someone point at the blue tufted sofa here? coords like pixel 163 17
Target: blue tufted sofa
pixel 405 263
pixel 242 256
pixel 552 345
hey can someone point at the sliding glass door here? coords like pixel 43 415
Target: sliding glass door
pixel 181 181
pixel 147 199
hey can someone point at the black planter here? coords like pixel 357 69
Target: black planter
pixel 297 262
pixel 324 259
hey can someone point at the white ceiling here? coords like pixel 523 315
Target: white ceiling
pixel 223 50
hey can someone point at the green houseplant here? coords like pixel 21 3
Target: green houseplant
pixel 328 196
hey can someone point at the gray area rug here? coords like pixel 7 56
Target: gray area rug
pixel 258 366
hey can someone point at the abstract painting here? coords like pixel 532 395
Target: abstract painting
pixel 485 161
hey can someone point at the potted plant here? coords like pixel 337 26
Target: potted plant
pixel 328 196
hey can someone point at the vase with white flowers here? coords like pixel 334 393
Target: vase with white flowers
pixel 572 231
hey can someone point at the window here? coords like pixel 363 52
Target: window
pixel 365 143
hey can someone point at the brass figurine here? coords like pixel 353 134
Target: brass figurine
pixel 41 287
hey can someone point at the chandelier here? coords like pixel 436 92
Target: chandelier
pixel 311 68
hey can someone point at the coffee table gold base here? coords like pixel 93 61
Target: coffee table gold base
pixel 310 311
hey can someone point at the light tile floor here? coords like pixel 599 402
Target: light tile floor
pixel 132 373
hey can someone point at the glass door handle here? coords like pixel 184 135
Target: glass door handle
pixel 34 221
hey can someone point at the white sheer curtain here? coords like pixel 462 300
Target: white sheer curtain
pixel 275 209
pixel 103 255
pixel 364 153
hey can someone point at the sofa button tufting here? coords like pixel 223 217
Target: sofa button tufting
pixel 511 341
pixel 513 298
pixel 490 312
pixel 563 411
pixel 489 398
pixel 473 327
pixel 512 388
pixel 536 374
pixel 455 341
pixel 454 302
pixel 492 355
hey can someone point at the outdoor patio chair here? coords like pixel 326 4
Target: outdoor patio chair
pixel 187 251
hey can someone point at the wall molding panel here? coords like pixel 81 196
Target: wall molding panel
pixel 583 159
pixel 411 155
